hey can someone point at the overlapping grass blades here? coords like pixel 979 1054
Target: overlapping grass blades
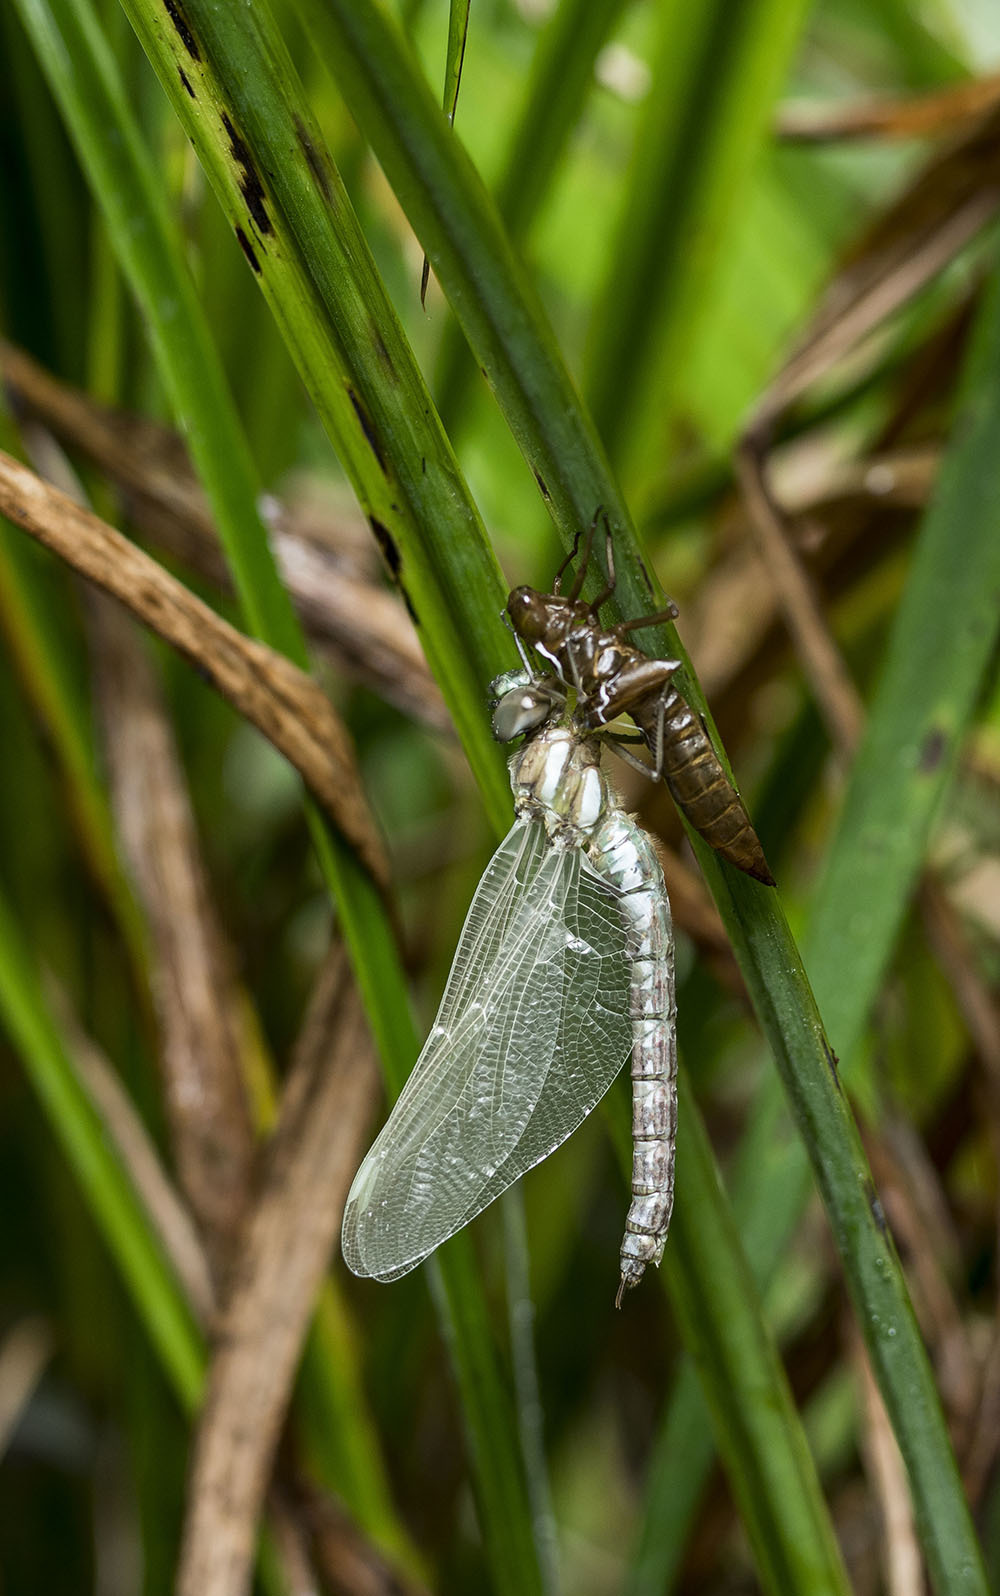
pixel 301 239
pixel 84 80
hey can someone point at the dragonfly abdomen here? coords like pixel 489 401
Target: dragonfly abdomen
pixel 625 856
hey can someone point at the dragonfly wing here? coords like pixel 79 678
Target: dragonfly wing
pixel 595 1028
pixel 532 1029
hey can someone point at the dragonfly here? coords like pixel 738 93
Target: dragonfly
pixel 564 969
pixel 611 678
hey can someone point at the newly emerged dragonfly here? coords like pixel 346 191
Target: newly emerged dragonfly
pixel 564 969
pixel 611 678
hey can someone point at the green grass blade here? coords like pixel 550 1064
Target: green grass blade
pixel 239 71
pixel 768 1462
pixel 682 1455
pixel 246 115
pixel 782 998
pixel 940 648
pixel 107 1188
pixel 458 28
pixel 718 71
pixel 82 75
pixel 561 76
pixel 459 229
pixel 27 621
pixel 339 1434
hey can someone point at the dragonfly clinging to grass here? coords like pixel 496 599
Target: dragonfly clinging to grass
pixel 564 969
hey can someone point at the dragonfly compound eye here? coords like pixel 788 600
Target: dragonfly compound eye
pixel 521 710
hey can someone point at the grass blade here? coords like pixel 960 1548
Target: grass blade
pixel 916 727
pixel 768 1460
pixel 717 74
pixel 106 1186
pixel 246 117
pixel 258 95
pixel 460 232
pixel 561 74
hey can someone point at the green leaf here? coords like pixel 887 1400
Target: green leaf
pixel 717 74
pixel 116 1207
pixel 759 1432
pixel 940 648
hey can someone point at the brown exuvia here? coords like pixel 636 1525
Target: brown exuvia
pixel 610 678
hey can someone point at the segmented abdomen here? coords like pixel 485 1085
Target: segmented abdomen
pixel 700 786
pixel 624 856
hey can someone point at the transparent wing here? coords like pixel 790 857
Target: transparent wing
pixel 533 1028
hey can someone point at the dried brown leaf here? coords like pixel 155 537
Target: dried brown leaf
pixel 978 1455
pixel 900 1550
pixel 325 1109
pixel 191 973
pixel 346 1561
pixel 285 704
pixel 805 618
pixel 975 1001
pixel 24 1352
pixel 168 1214
pixel 912 116
pixel 365 628
pixel 913 239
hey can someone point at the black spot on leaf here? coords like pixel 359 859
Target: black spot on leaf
pixel 248 249
pixel 251 186
pixel 368 428
pixel 182 28
pixel 387 543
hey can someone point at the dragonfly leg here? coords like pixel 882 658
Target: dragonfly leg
pixel 588 549
pixel 526 661
pixel 609 554
pixel 619 742
pixel 669 613
pixel 571 556
pixel 656 745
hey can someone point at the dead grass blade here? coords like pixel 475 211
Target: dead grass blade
pixel 919 1220
pixel 976 1003
pixel 901 1560
pixel 123 1125
pixel 845 517
pixel 923 229
pixel 345 1560
pixel 978 1456
pixel 191 977
pixel 24 1352
pixel 912 116
pixel 364 628
pixel 814 644
pixel 283 702
pixel 292 1544
pixel 920 233
pixel 325 1110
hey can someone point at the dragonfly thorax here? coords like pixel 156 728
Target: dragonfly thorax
pixel 556 778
